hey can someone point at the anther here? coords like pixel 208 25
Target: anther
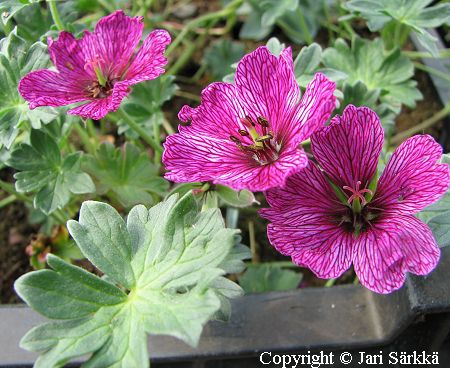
pixel 243 132
pixel 262 121
pixel 235 139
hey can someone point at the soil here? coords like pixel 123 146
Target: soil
pixel 16 232
pixel 15 235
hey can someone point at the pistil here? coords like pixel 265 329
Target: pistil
pixel 95 63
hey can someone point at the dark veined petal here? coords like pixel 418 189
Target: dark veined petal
pixel 348 149
pixel 112 43
pixel 149 61
pixel 396 245
pixel 267 87
pixel 49 88
pixel 413 177
pixel 218 114
pixel 190 158
pixel 69 58
pixel 314 109
pixel 98 108
pixel 304 225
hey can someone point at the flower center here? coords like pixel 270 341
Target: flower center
pixel 358 216
pixel 103 86
pixel 260 146
pixel 357 194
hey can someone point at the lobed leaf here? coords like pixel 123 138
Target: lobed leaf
pixel 170 260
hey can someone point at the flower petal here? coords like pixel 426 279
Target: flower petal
pixel 267 87
pixel 413 177
pixel 49 88
pixel 304 225
pixel 114 41
pixel 397 245
pixel 218 114
pixel 314 108
pixel 149 60
pixel 195 157
pixel 348 149
pixel 69 58
pixel 98 108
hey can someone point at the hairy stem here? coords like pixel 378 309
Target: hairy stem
pixel 229 9
pixel 433 71
pixel 140 131
pixel 398 138
pixel 55 15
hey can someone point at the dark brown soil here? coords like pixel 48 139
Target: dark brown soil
pixel 15 234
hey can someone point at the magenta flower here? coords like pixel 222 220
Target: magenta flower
pixel 327 229
pixel 247 134
pixel 99 68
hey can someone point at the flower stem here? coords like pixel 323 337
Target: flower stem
pixel 9 188
pixel 55 15
pixel 433 71
pixel 443 54
pixel 8 200
pixel 140 131
pixel 398 138
pixel 330 282
pixel 304 27
pixel 230 8
pixel 88 145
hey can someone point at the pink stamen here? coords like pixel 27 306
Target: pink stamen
pixel 95 62
pixel 357 193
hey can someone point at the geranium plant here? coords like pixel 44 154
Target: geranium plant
pixel 140 174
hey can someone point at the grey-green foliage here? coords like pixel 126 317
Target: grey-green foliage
pixel 9 8
pixel 365 73
pixel 437 216
pixel 126 174
pixel 145 103
pixel 263 16
pixel 414 15
pixel 164 274
pixel 43 170
pixel 260 278
pixel 221 55
pixel 17 58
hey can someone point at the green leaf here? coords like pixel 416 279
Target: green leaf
pixel 43 170
pixel 285 14
pixel 241 198
pixel 307 60
pixel 67 291
pixel 416 15
pixel 437 216
pixel 145 103
pixel 126 173
pixel 267 277
pixel 170 259
pixel 253 27
pixel 221 55
pixel 9 8
pixel 18 58
pixel 386 74
pixel 275 46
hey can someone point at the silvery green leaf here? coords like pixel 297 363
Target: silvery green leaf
pixel 17 58
pixel 164 273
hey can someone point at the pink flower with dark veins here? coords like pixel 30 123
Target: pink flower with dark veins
pixel 247 135
pixel 99 68
pixel 333 214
